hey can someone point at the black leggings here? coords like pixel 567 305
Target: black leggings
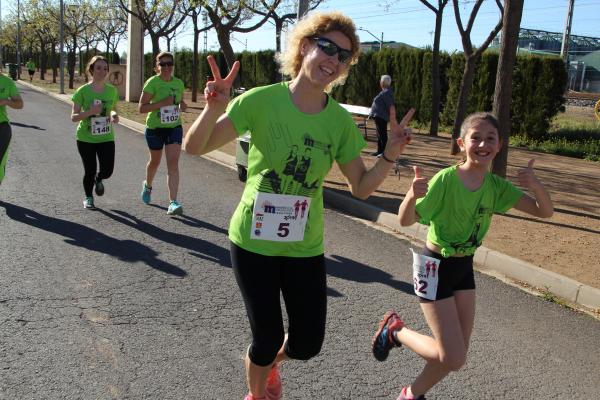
pixel 5 136
pixel 302 282
pixel 106 158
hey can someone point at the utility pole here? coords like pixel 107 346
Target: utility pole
pixel 564 50
pixel 1 61
pixel 302 8
pixel 18 39
pixel 62 44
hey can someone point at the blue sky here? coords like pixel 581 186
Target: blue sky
pixel 411 22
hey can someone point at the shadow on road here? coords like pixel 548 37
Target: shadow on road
pixel 79 235
pixel 345 268
pixel 193 222
pixel 199 248
pixel 37 128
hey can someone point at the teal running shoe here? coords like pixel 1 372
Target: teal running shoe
pixel 99 187
pixel 175 208
pixel 146 193
pixel 88 203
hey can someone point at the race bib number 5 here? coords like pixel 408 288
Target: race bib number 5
pixel 279 217
pixel 169 114
pixel 100 125
pixel 425 275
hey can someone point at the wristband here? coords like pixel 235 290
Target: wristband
pixel 386 159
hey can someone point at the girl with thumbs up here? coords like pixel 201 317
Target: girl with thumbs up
pixel 457 204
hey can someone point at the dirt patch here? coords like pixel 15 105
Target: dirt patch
pixel 566 244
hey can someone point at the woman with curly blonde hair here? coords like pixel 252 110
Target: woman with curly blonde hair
pixel 275 249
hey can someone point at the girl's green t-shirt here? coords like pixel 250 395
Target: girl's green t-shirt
pixel 160 90
pixel 458 218
pixel 95 129
pixel 8 90
pixel 290 154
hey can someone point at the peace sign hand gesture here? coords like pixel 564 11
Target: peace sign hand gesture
pixel 400 134
pixel 216 92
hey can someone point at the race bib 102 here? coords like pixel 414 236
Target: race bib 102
pixel 169 114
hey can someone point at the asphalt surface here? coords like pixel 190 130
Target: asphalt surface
pixel 127 303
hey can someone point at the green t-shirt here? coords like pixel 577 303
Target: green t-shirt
pixel 8 90
pixel 160 90
pixel 458 218
pixel 290 153
pixel 30 66
pixel 84 97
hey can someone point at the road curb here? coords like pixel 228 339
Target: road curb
pixel 488 261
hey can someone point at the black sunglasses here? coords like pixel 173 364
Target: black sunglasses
pixel 331 49
pixel 166 63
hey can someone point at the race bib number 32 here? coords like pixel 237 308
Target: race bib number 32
pixel 426 274
pixel 279 217
pixel 169 114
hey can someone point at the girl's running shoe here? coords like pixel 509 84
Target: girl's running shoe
pixel 383 340
pixel 274 387
pixel 404 396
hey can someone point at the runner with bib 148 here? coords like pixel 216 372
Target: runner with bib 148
pixel 297 131
pixel 95 108
pixel 457 204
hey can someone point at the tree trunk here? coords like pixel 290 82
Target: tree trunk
pixel 513 10
pixel 278 29
pixel 195 63
pixel 43 60
pixel 463 97
pixel 54 62
pixel 435 76
pixel 72 56
pixel 108 48
pixel 223 37
pixel 155 45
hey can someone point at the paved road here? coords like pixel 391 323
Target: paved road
pixel 127 303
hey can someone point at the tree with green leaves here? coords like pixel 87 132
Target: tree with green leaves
pixel 471 55
pixel 111 23
pixel 35 15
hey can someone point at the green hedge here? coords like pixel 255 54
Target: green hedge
pixel 538 82
pixel 256 69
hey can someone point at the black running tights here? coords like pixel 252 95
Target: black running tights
pixel 302 282
pixel 105 152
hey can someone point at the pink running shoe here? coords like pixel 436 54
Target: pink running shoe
pixel 404 396
pixel 274 387
pixel 250 397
